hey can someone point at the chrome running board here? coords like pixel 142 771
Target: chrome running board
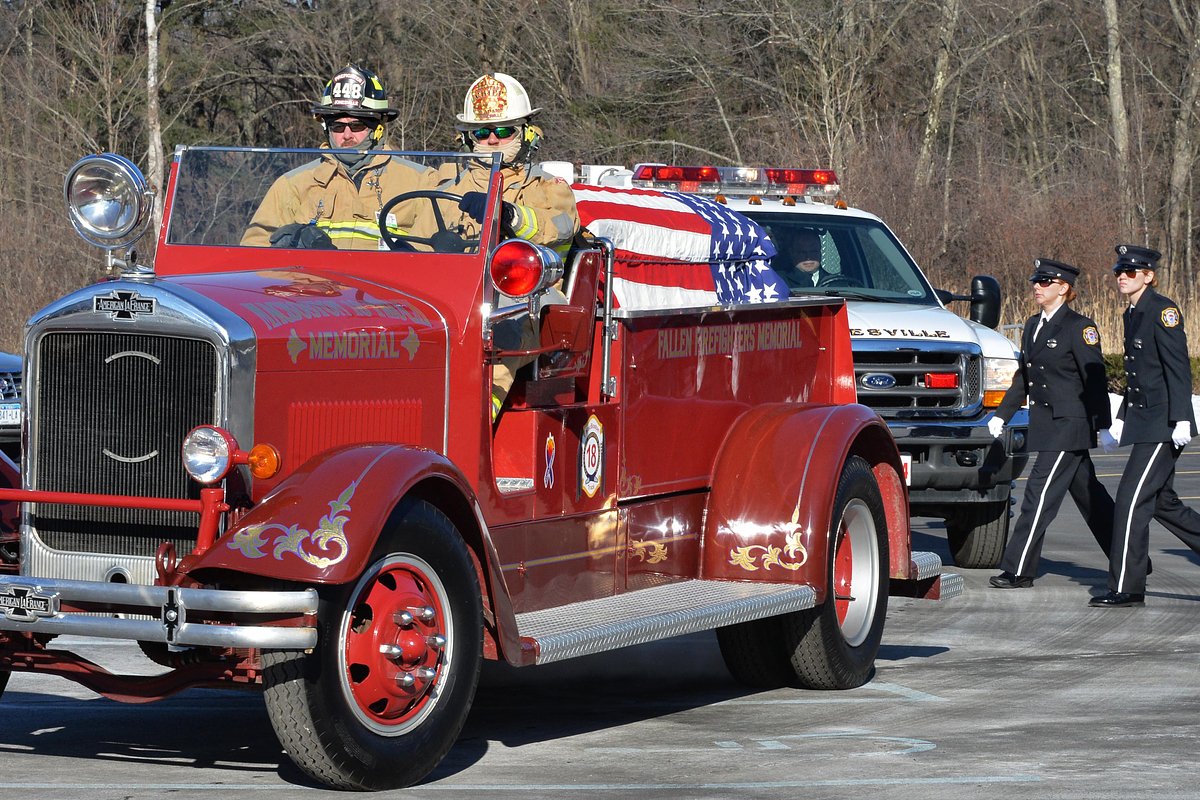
pixel 646 615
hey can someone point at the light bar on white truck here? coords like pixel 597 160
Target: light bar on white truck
pixel 818 185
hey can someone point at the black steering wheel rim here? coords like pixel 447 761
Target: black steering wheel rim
pixel 443 240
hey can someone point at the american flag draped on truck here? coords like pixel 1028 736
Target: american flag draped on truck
pixel 680 250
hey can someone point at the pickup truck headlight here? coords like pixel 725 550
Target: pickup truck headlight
pixel 997 377
pixel 108 200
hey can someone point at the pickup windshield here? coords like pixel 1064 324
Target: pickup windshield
pixel 230 197
pixel 848 257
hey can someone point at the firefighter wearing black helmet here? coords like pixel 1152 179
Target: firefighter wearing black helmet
pixel 335 200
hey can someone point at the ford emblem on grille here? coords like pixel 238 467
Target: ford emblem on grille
pixel 26 603
pixel 877 380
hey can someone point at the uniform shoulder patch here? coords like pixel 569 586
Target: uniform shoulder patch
pixel 1091 335
pixel 1170 316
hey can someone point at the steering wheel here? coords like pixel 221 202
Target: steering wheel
pixel 444 240
pixel 835 279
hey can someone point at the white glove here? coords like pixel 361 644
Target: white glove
pixel 1109 442
pixel 1182 433
pixel 1115 429
pixel 995 427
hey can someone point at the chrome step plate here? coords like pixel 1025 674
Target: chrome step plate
pixel 646 615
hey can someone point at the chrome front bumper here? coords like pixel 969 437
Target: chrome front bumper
pixel 35 605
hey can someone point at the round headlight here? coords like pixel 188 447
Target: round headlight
pixel 108 200
pixel 208 453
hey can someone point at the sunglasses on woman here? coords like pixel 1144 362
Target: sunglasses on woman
pixel 1042 282
pixel 502 132
pixel 1129 272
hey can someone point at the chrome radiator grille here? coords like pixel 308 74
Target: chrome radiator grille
pixel 112 411
pixel 911 396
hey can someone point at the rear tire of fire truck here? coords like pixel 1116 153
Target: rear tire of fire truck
pixel 977 534
pixel 833 646
pixel 382 698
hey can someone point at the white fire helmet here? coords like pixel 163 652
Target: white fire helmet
pixel 495 99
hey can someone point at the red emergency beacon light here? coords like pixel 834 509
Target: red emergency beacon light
pixel 941 380
pixel 520 268
pixel 814 185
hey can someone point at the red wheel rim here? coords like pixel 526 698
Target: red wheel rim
pixel 843 574
pixel 856 565
pixel 396 644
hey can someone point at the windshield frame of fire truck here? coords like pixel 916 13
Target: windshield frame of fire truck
pixel 815 185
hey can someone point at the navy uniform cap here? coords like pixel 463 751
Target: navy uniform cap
pixel 1048 268
pixel 1134 256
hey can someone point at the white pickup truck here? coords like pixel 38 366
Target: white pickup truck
pixel 935 377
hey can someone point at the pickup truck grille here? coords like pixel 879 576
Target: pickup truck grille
pixel 896 383
pixel 112 411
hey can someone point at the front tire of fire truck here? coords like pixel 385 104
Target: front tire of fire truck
pixel 833 646
pixel 385 693
pixel 977 534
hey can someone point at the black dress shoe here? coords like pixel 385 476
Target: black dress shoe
pixel 1006 580
pixel 1118 600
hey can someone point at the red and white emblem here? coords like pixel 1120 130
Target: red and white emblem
pixel 1091 336
pixel 591 457
pixel 1170 317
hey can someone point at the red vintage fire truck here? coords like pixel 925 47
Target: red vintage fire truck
pixel 275 468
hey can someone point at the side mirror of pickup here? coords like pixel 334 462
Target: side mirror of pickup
pixel 984 298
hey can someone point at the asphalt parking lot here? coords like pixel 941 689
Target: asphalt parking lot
pixel 1014 694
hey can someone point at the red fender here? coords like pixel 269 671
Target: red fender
pixel 773 488
pixel 321 524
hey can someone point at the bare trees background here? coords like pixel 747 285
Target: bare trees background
pixel 986 132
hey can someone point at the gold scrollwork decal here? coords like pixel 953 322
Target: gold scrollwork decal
pixel 748 558
pixel 649 552
pixel 329 534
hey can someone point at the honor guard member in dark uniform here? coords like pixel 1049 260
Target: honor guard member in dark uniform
pixel 1156 418
pixel 1062 375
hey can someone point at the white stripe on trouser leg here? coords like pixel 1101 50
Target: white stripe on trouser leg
pixel 1038 513
pixel 1129 519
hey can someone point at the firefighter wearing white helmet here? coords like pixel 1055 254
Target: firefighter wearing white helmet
pixel 537 206
pixel 335 200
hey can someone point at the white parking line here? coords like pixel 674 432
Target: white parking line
pixel 912 695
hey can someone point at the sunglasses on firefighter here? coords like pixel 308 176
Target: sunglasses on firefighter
pixel 355 127
pixel 502 132
pixel 1042 282
pixel 1128 272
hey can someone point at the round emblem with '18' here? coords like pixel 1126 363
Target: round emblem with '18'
pixel 591 457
